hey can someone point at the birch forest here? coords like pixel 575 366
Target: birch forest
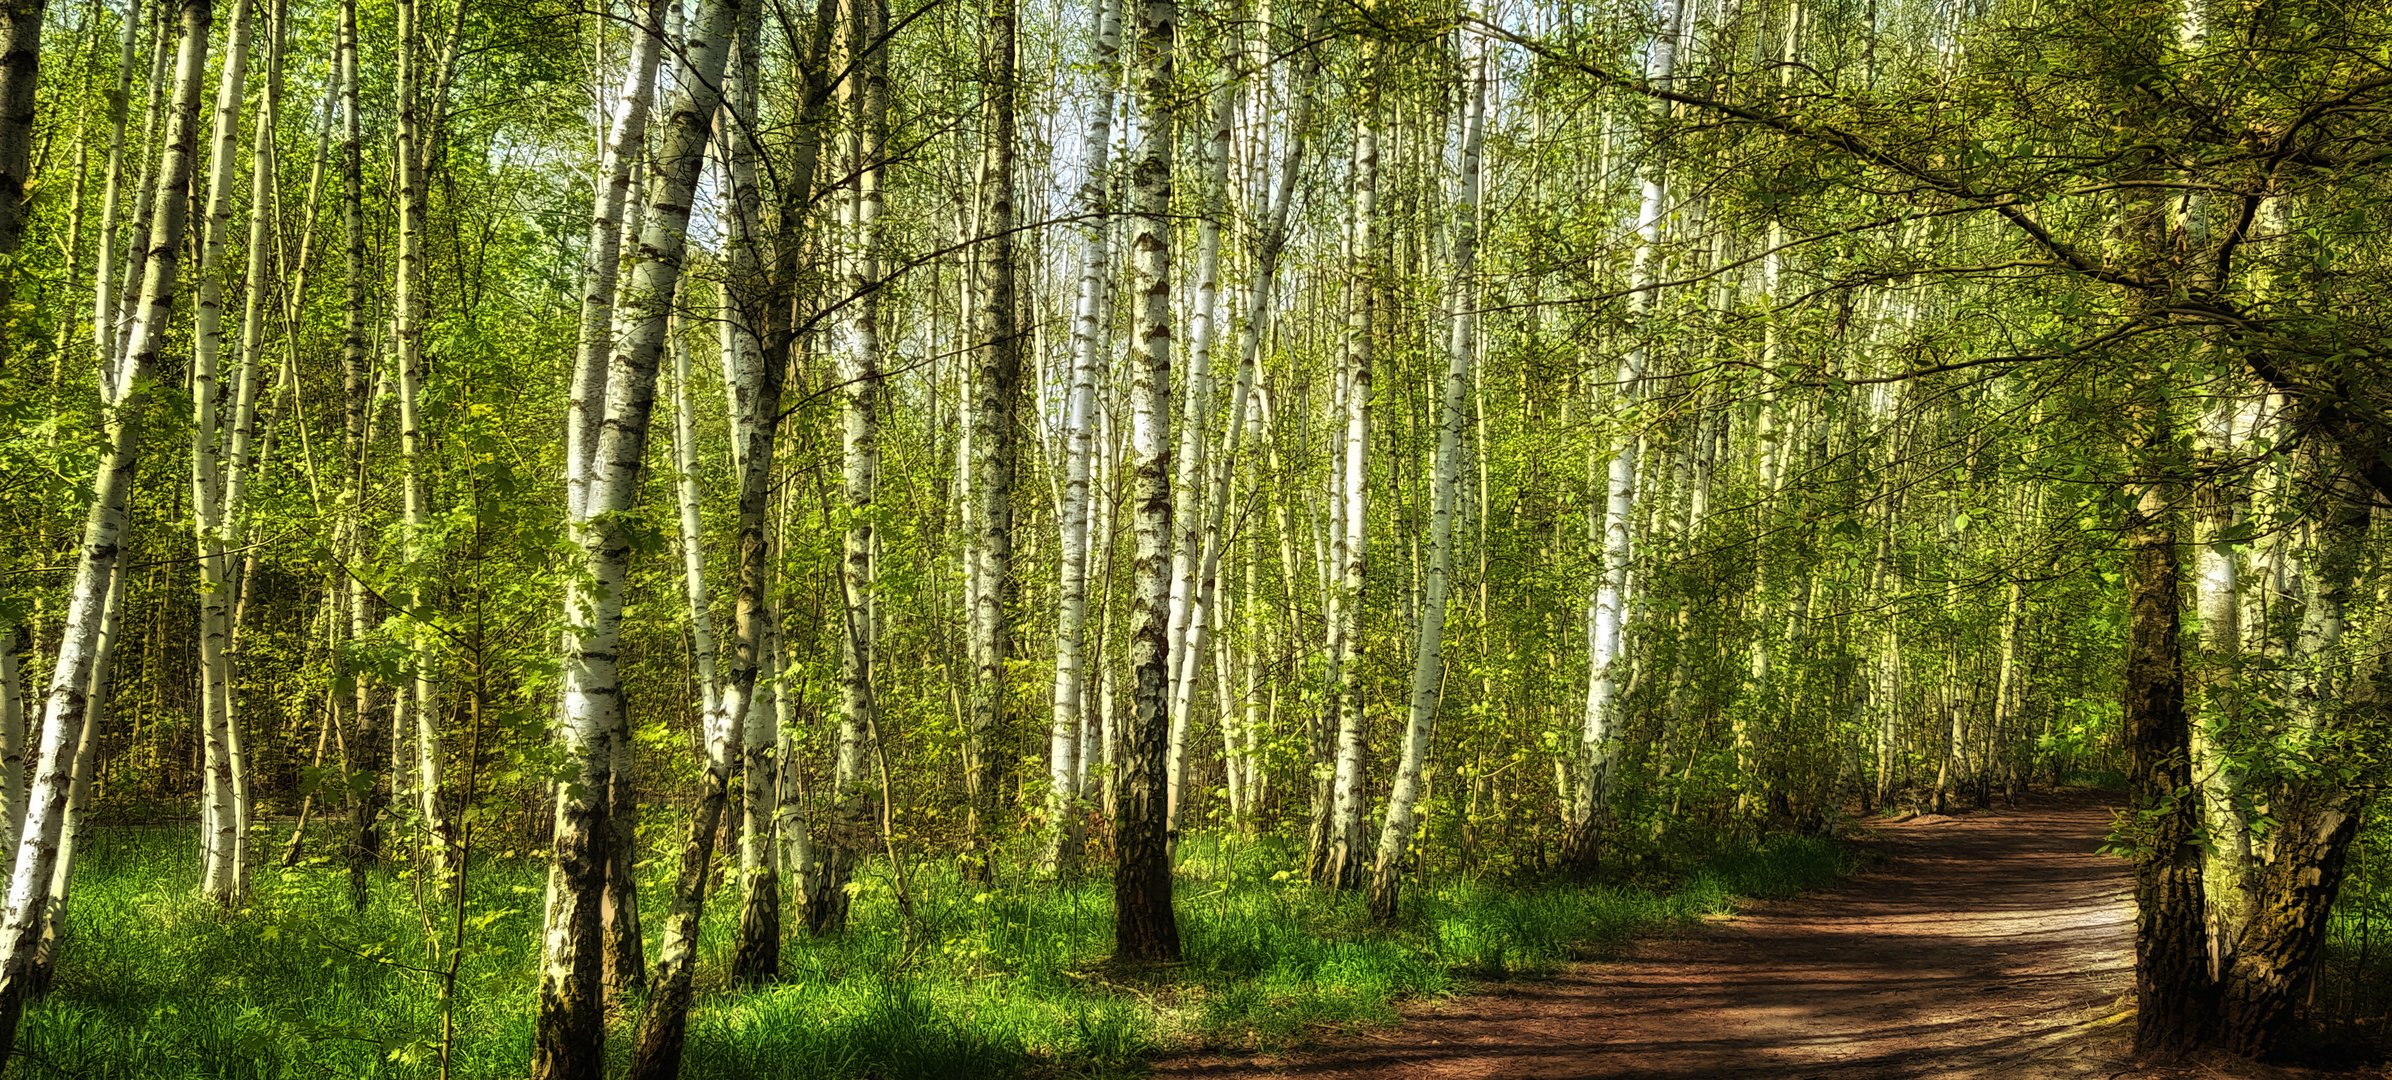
pixel 1087 538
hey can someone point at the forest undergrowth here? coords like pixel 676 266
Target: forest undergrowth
pixel 158 983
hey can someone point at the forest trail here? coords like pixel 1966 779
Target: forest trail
pixel 1994 944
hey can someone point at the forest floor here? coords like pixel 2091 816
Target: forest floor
pixel 1996 944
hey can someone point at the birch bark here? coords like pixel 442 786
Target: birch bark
pixel 1192 507
pixel 222 828
pixel 1342 869
pixel 1066 752
pixel 1428 665
pixel 863 97
pixel 423 640
pixel 32 879
pixel 1144 927
pixel 996 391
pixel 569 1036
pixel 1607 611
pixel 103 278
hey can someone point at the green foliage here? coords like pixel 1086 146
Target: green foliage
pixel 158 985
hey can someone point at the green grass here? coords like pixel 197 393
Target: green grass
pixel 1010 981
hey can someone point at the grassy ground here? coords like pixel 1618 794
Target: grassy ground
pixel 155 984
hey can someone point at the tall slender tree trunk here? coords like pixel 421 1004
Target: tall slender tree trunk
pixel 1067 752
pixel 568 1034
pixel 221 874
pixel 243 453
pixel 1428 665
pixel 33 878
pixel 1189 505
pixel 20 70
pixel 756 382
pixel 1607 609
pixel 995 392
pixel 1145 930
pixel 126 283
pixel 864 98
pixel 797 278
pixel 664 1026
pixel 423 640
pixel 624 139
pixel 1342 867
pixel 103 279
pixel 364 762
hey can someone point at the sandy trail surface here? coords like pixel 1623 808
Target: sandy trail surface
pixel 1991 944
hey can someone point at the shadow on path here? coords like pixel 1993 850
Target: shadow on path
pixel 1996 944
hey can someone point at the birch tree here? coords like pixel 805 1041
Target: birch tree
pixel 1341 866
pixel 995 389
pixel 756 378
pixel 568 1038
pixel 223 823
pixel 423 638
pixel 1608 605
pixel 863 95
pixel 1187 489
pixel 1144 926
pixel 1428 663
pixel 1067 751
pixel 32 878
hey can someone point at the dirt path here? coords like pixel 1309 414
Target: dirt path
pixel 1994 944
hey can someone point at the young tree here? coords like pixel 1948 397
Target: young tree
pixel 223 822
pixel 1608 604
pixel 864 99
pixel 1342 862
pixel 1428 664
pixel 755 380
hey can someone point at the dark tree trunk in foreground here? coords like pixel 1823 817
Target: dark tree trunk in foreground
pixel 2172 985
pixel 2276 953
pixel 20 69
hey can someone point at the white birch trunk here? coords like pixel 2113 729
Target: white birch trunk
pixel 1351 544
pixel 423 641
pixel 1187 487
pixel 1607 606
pixel 1066 754
pixel 103 280
pixel 221 829
pixel 626 136
pixel 118 315
pixel 568 1039
pixel 53 918
pixel 38 860
pixel 863 97
pixel 1272 243
pixel 1428 663
pixel 995 392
